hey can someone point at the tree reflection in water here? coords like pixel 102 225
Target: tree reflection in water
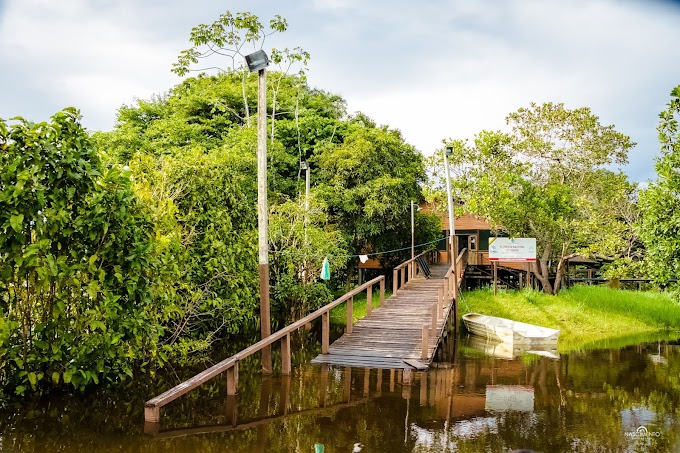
pixel 468 401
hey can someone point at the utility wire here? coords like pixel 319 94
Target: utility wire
pixel 286 252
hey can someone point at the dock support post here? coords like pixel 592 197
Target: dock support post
pixel 325 330
pixel 152 414
pixel 369 300
pixel 232 379
pixel 395 281
pixel 285 355
pixel 426 340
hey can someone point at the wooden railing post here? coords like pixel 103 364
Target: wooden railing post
pixel 369 300
pixel 434 320
pixel 426 340
pixel 232 379
pixel 285 355
pixel 325 330
pixel 350 318
pixel 382 291
pixel 440 299
pixel 403 277
pixel 395 281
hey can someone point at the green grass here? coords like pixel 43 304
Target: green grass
pixel 339 314
pixel 588 316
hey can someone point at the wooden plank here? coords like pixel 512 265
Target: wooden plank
pixel 416 364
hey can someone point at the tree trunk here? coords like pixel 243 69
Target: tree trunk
pixel 542 271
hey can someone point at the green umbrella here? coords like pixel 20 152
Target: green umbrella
pixel 325 270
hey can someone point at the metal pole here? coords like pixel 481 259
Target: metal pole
pixel 452 227
pixel 413 235
pixel 262 211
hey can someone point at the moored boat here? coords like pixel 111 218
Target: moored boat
pixel 506 330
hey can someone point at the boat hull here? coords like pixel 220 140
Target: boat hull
pixel 508 331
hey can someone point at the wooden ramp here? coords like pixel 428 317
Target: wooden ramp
pixel 392 335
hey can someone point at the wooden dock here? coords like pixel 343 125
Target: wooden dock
pixel 404 332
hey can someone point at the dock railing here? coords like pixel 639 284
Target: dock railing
pixel 230 365
pixel 409 269
pixel 453 279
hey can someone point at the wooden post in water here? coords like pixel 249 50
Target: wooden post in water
pixel 323 385
pixel 367 381
pixel 285 355
pixel 423 388
pixel 232 379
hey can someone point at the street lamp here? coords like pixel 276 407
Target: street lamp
pixel 258 61
pixel 448 152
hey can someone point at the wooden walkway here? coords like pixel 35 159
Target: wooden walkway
pixel 393 333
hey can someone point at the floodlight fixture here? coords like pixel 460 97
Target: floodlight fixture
pixel 257 60
pixel 449 150
pixel 304 165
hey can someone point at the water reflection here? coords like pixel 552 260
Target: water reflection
pixel 468 401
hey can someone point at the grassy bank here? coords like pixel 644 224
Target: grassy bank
pixel 588 316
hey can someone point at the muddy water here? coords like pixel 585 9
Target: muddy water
pixel 620 399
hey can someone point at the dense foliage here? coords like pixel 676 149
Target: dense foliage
pixel 547 178
pixel 77 261
pixel 660 203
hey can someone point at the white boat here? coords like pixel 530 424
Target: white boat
pixel 511 351
pixel 506 330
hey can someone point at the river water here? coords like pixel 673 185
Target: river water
pixel 475 398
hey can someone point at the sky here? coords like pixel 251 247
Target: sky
pixel 433 69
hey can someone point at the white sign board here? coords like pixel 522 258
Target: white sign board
pixel 512 249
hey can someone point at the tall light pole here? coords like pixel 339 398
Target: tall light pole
pixel 452 228
pixel 258 61
pixel 413 235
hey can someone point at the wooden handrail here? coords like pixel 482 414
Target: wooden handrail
pixel 410 260
pixel 407 269
pixel 152 407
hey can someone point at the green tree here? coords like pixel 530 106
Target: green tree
pixel 660 202
pixel 368 183
pixel 78 269
pixel 547 179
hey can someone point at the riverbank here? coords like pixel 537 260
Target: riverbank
pixel 588 316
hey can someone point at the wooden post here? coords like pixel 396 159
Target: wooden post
pixel 350 318
pixel 395 281
pixel 325 330
pixel 152 414
pixel 495 277
pixel 232 410
pixel 434 320
pixel 285 355
pixel 369 300
pixel 426 340
pixel 367 381
pixel 407 377
pixel 284 394
pixel 440 299
pixel 232 379
pixel 392 380
pixel 382 291
pixel 378 384
pixel 323 386
pixel 423 388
